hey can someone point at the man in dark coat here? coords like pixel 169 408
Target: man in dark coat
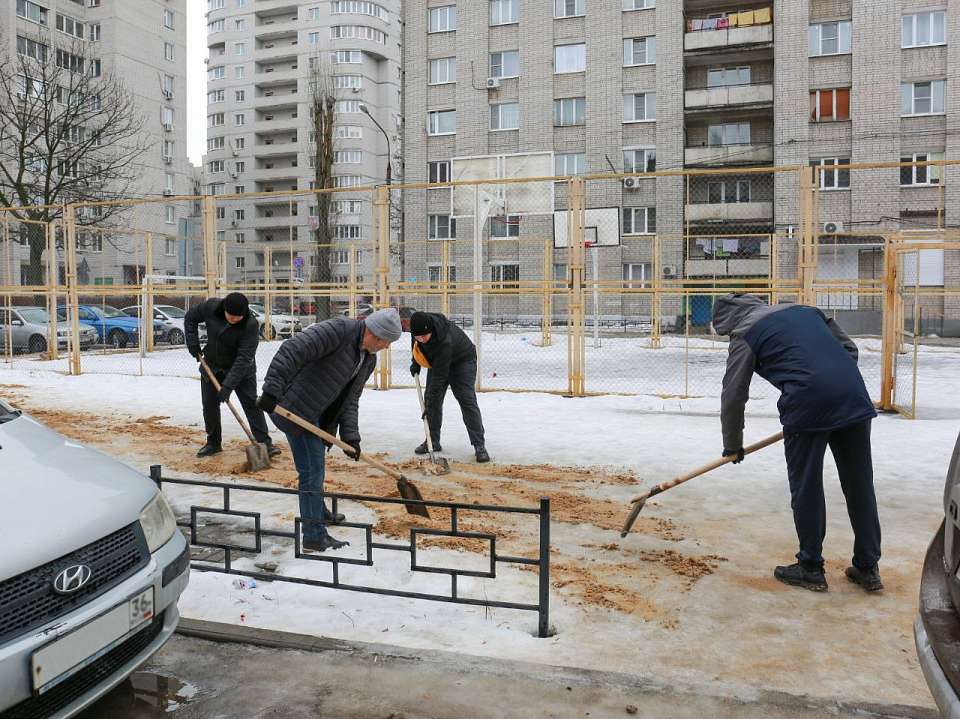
pixel 319 376
pixel 446 350
pixel 231 350
pixel 824 403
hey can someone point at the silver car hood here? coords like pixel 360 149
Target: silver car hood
pixel 57 495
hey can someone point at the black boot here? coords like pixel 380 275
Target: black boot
pixel 423 449
pixel 481 452
pixel 273 450
pixel 869 579
pixel 209 449
pixel 797 575
pixel 323 544
pixel 331 518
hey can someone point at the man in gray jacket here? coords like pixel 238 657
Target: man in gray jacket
pixel 319 375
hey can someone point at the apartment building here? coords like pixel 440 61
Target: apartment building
pixel 641 85
pixel 143 43
pixel 264 56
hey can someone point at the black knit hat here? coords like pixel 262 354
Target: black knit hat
pixel 421 324
pixel 236 304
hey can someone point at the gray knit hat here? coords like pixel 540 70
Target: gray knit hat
pixel 385 324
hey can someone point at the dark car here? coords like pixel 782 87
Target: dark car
pixel 937 628
pixel 113 326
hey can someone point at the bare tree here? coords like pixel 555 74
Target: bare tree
pixel 69 133
pixel 322 114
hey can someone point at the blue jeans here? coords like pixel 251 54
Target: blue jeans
pixel 309 455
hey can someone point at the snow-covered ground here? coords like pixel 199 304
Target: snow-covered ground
pixel 732 628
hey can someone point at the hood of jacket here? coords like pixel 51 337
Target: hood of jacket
pixel 731 310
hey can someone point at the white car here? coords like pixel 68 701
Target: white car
pixel 172 318
pixel 283 325
pixel 90 573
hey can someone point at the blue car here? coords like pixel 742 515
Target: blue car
pixel 113 326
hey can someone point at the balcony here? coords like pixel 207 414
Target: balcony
pixel 729 95
pixel 729 155
pixel 724 211
pixel 733 267
pixel 276 76
pixel 268 9
pixel 282 124
pixel 279 52
pixel 276 27
pixel 276 149
pixel 728 38
pixel 276 173
pixel 276 101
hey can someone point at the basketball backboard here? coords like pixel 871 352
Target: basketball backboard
pixel 601 227
pixel 514 198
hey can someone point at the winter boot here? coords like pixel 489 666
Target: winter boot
pixel 797 575
pixel 323 544
pixel 209 450
pixel 331 518
pixel 481 452
pixel 273 450
pixel 423 449
pixel 869 579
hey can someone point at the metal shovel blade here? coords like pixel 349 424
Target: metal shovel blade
pixel 258 457
pixel 438 465
pixel 408 490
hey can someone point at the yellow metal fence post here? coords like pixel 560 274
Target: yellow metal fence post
pixel 576 337
pixel 73 303
pixel 382 222
pixel 890 330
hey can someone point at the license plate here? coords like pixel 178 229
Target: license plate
pixel 71 653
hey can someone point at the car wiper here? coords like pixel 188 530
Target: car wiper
pixel 8 416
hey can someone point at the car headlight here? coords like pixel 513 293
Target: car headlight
pixel 158 522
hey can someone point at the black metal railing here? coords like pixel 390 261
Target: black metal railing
pixel 542 561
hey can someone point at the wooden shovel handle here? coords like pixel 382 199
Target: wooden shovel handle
pixel 670 484
pixel 216 386
pixel 327 437
pixel 423 411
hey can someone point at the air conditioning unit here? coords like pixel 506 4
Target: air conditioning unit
pixel 168 94
pixel 493 83
pixel 233 174
pixel 669 272
pixel 168 159
pixel 631 183
pixel 832 228
pixel 168 192
pixel 168 127
pixel 236 152
pixel 356 91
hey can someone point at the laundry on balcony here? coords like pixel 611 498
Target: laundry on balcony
pixel 748 18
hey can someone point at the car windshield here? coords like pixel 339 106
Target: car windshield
pixel 171 311
pixel 7 412
pixel 34 315
pixel 108 311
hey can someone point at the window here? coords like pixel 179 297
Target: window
pixel 505 227
pixel 215 96
pixel 443 19
pixel 358 7
pixel 214 143
pixel 443 70
pixel 239 189
pixel 914 176
pixel 639 51
pixel 347 106
pixel 435 273
pixel 505 276
pixel 922 98
pixel 731 133
pixel 168 19
pixel 215 4
pixel 239 95
pixel 505 116
pixel 168 148
pixel 348 232
pixel 441 227
pixel 31 11
pixel 640 160
pixel 728 191
pixel 239 72
pixel 239 143
pixel 569 58
pixel 166 115
pixel 639 220
pixel 94 32
pixel 830 38
pixel 168 181
pixel 69 26
pixel 168 51
pixel 638 4
pixel 240 262
pixel 570 163
pixel 636 274
pixel 346 57
pixel 438 171
pixel 216 73
pixel 362 32
pixel 640 108
pixel 239 25
pixel 347 181
pixel 442 122
pixel 504 12
pixel 215 120
pixel 239 119
pixel 170 214
pixel 346 82
pixel 239 48
pixel 215 166
pixel 32 49
pixel 832 179
pixel 167 86
pixel 829 105
pixel 347 157
pixel 69 61
pixel 239 215
pixel 351 132
pixel 569 111
pixel 505 64
pixel 93 3
pixel 560 272
pixel 95 67
pixel 727 76
pixel 925 28
pixel 239 166
pixel 214 27
pixel 568 8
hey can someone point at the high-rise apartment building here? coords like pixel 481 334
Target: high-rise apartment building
pixel 264 58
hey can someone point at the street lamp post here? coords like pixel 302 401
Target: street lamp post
pixel 366 111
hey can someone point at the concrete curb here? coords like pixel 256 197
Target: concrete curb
pixel 569 676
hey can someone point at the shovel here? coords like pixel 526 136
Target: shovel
pixel 641 499
pixel 439 465
pixel 257 453
pixel 406 488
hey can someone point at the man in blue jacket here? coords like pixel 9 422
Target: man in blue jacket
pixel 823 402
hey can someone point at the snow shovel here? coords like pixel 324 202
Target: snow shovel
pixel 258 456
pixel 440 465
pixel 407 488
pixel 641 499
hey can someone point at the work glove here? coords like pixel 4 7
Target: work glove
pixel 194 351
pixel 267 403
pixel 224 394
pixel 414 369
pixel 738 453
pixel 355 443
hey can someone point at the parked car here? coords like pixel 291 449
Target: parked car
pixel 29 327
pixel 113 326
pixel 172 318
pixel 936 630
pixel 283 325
pixel 92 567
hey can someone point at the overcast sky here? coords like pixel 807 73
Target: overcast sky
pixel 196 80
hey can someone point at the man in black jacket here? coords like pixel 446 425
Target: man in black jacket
pixel 232 337
pixel 319 376
pixel 446 350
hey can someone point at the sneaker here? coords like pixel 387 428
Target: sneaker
pixel 331 518
pixel 323 544
pixel 423 449
pixel 481 453
pixel 796 575
pixel 869 579
pixel 208 450
pixel 273 450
